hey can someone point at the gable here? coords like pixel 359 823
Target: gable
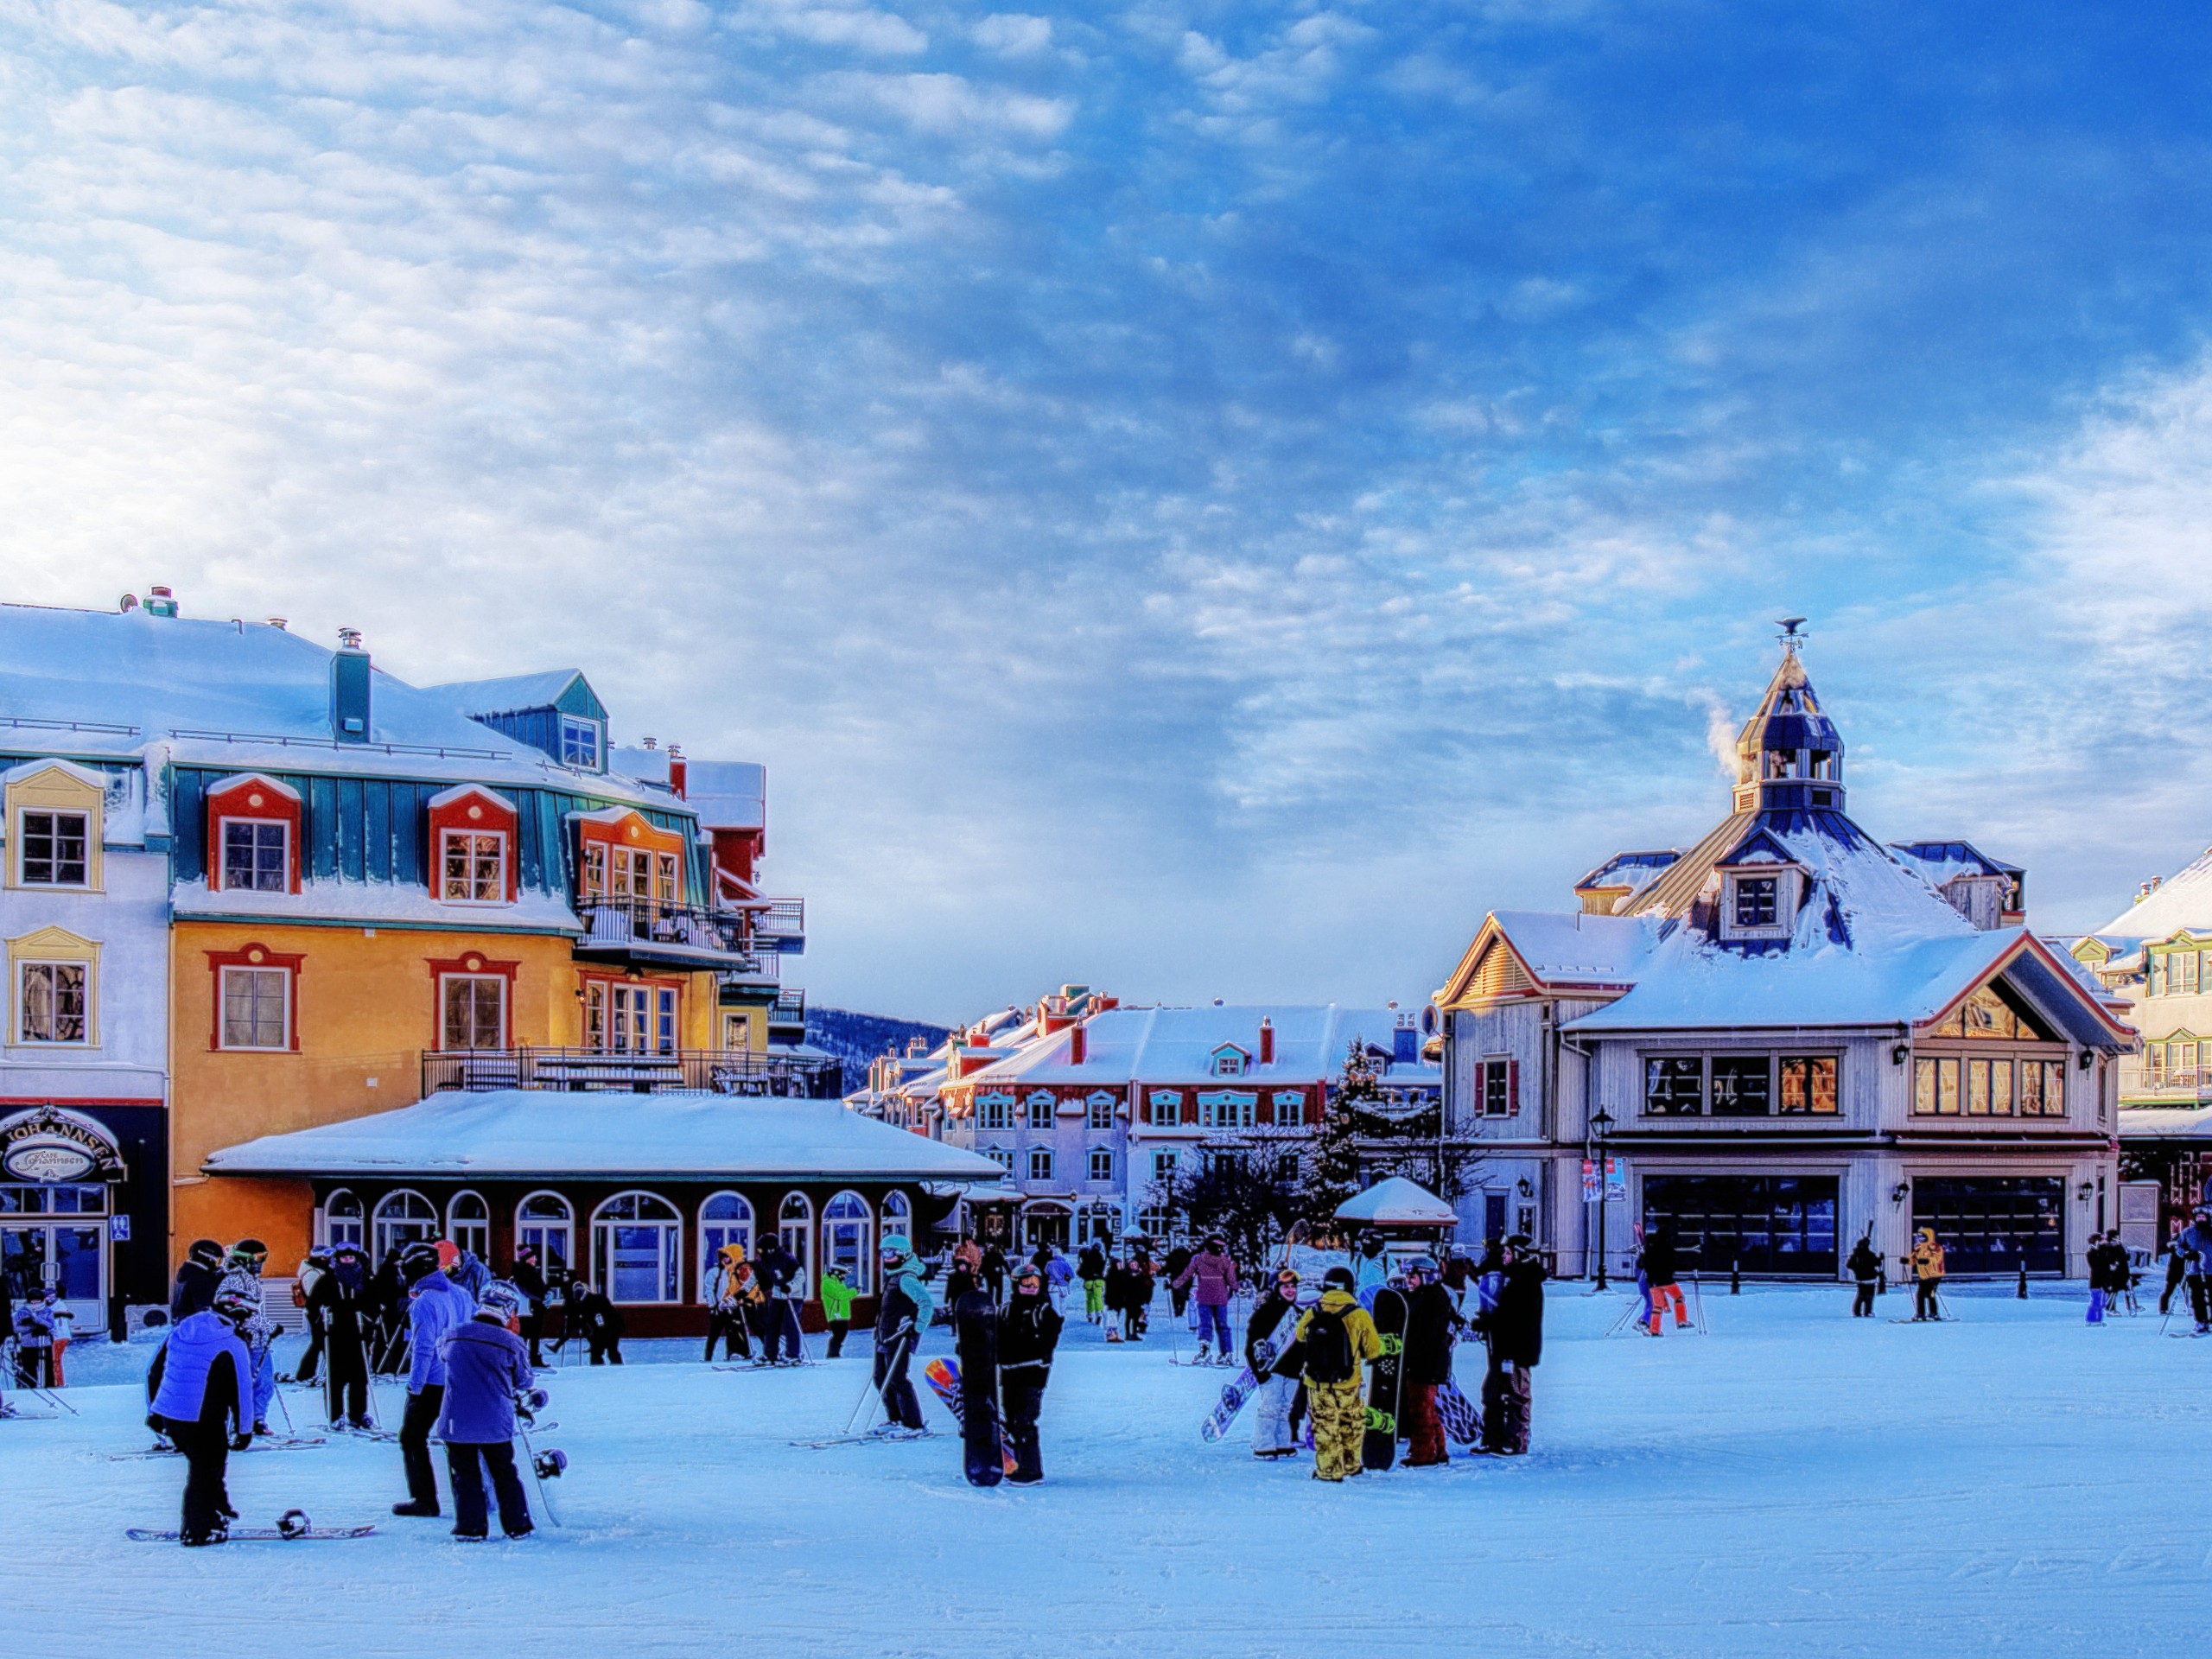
pixel 578 698
pixel 1491 968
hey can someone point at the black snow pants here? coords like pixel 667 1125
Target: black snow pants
pixel 1024 1402
pixel 469 1463
pixel 346 1383
pixel 892 1382
pixel 1862 1305
pixel 1924 1306
pixel 2200 1298
pixel 1506 1402
pixel 726 1327
pixel 304 1372
pixel 207 1448
pixel 414 1444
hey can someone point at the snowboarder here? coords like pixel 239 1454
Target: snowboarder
pixel 837 1309
pixel 778 1272
pixel 1273 1319
pixel 526 1277
pixel 196 1278
pixel 1214 1276
pixel 901 1316
pixel 1865 1267
pixel 1029 1332
pixel 439 1307
pixel 202 1403
pixel 1927 1264
pixel 486 1366
pixel 598 1320
pixel 1515 1331
pixel 1659 1264
pixel 1090 1267
pixel 242 1272
pixel 1335 1337
pixel 1432 1329
pixel 340 1300
pixel 975 1341
pixel 729 1285
pixel 313 1267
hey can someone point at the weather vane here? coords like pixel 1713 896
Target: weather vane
pixel 1790 636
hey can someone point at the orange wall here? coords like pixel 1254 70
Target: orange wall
pixel 367 1010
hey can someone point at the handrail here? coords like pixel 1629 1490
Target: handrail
pixel 714 1071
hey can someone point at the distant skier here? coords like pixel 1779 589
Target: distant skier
pixel 1334 1338
pixel 729 1285
pixel 779 1273
pixel 1141 1286
pixel 341 1301
pixel 1515 1331
pixel 1432 1330
pixel 1090 1269
pixel 203 1404
pixel 438 1307
pixel 34 1326
pixel 1214 1276
pixel 2195 1244
pixel 1029 1332
pixel 1865 1269
pixel 196 1278
pixel 1660 1264
pixel 486 1365
pixel 1274 1319
pixel 529 1278
pixel 902 1314
pixel 598 1321
pixel 1927 1264
pixel 838 1299
pixel 2177 1265
pixel 1120 1294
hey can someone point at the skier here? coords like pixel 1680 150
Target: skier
pixel 525 1276
pixel 2195 1244
pixel 1029 1331
pixel 1335 1337
pixel 1658 1265
pixel 2176 1264
pixel 728 1285
pixel 1057 1276
pixel 206 1384
pixel 1432 1328
pixel 34 1340
pixel 438 1306
pixel 1927 1264
pixel 1180 1258
pixel 837 1309
pixel 242 1272
pixel 196 1278
pixel 1121 1310
pixel 316 1264
pixel 486 1365
pixel 975 1336
pixel 1515 1331
pixel 901 1316
pixel 340 1301
pixel 1090 1267
pixel 1215 1276
pixel 1865 1269
pixel 388 1296
pixel 468 1271
pixel 64 1329
pixel 993 1272
pixel 599 1320
pixel 777 1271
pixel 1275 1317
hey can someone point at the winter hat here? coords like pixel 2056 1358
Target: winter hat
pixel 448 1252
pixel 1337 1279
pixel 501 1299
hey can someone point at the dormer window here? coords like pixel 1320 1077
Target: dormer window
pixel 256 855
pixel 253 835
pixel 474 866
pixel 581 742
pixel 1230 1062
pixel 1757 900
pixel 54 848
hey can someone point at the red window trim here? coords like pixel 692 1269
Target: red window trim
pixel 585 979
pixel 255 954
pixel 470 964
pixel 632 830
pixel 236 802
pixel 493 816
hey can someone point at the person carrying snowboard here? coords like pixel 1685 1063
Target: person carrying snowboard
pixel 975 1341
pixel 1514 1329
pixel 838 1309
pixel 1927 1264
pixel 1029 1332
pixel 203 1403
pixel 1214 1274
pixel 486 1366
pixel 728 1288
pixel 438 1307
pixel 1274 1319
pixel 1659 1264
pixel 1865 1269
pixel 901 1316
pixel 341 1299
pixel 1090 1269
pixel 1335 1337
pixel 1432 1328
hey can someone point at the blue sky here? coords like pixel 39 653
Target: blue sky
pixel 1201 498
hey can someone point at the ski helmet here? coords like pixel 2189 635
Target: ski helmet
pixel 1423 1265
pixel 233 1303
pixel 419 1260
pixel 501 1300
pixel 206 1252
pixel 1337 1279
pixel 448 1252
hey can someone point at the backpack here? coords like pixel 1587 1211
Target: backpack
pixel 1328 1349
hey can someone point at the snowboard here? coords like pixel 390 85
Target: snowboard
pixel 1240 1387
pixel 944 1377
pixel 251 1535
pixel 1463 1424
pixel 1379 1449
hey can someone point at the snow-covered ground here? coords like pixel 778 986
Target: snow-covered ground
pixel 1793 1482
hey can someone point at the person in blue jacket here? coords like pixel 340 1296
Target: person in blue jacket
pixel 486 1365
pixel 436 1307
pixel 205 1400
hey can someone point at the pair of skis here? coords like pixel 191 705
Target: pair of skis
pixel 293 1527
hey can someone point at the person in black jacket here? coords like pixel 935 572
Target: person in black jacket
pixel 196 1279
pixel 1029 1331
pixel 975 1336
pixel 993 1271
pixel 525 1277
pixel 340 1300
pixel 776 1270
pixel 1179 1294
pixel 1660 1264
pixel 1515 1331
pixel 1866 1269
pixel 599 1320
pixel 1432 1327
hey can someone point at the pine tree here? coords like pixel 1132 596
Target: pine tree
pixel 1332 1171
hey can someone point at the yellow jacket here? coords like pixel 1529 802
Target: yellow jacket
pixel 1927 1256
pixel 1366 1340
pixel 731 1281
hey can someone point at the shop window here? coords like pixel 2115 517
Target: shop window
pixel 725 1218
pixel 475 1010
pixel 1742 1085
pixel 473 866
pixel 1498 1087
pixel 401 1218
pixel 1674 1085
pixel 544 1221
pixel 1040 1163
pixel 637 1251
pixel 1808 1084
pixel 580 743
pixel 343 1220
pixel 257 1004
pixel 1102 1163
pixel 256 855
pixel 848 1239
pixel 53 1001
pixel 469 1224
pixel 1935 1087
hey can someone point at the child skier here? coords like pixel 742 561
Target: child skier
pixel 1029 1332
pixel 486 1365
pixel 1336 1337
pixel 207 1385
pixel 838 1309
pixel 242 1274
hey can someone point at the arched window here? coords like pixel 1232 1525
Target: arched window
pixel 898 1217
pixel 636 1249
pixel 401 1218
pixel 724 1219
pixel 343 1222
pixel 845 1240
pixel 795 1226
pixel 545 1220
pixel 469 1223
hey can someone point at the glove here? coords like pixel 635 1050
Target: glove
pixel 240 1442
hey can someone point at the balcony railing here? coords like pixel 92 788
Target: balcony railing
pixel 789 1007
pixel 619 922
pixel 784 919
pixel 2178 1086
pixel 691 1070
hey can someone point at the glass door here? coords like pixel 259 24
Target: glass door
pixel 57 1236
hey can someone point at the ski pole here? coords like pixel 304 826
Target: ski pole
pixel 290 1427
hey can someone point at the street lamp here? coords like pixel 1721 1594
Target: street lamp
pixel 1600 1122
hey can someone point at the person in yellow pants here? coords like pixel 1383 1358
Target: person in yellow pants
pixel 1336 1337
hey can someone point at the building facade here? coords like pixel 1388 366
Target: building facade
pixel 1789 1037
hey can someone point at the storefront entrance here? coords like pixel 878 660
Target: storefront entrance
pixel 1045 1225
pixel 1772 1226
pixel 57 1236
pixel 1990 1225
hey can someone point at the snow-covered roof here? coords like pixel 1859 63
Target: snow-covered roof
pixel 727 794
pixel 1178 1045
pixel 1946 860
pixel 1397 1202
pixel 2166 1123
pixel 535 910
pixel 528 1134
pixel 1629 870
pixel 2182 902
pixel 510 694
pixel 1566 947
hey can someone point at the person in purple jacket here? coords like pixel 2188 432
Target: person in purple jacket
pixel 486 1365
pixel 1216 1277
pixel 436 1307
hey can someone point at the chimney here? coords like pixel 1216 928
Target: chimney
pixel 1405 1042
pixel 1267 1040
pixel 678 773
pixel 1078 1044
pixel 349 689
pixel 160 602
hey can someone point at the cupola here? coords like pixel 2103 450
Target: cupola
pixel 1790 756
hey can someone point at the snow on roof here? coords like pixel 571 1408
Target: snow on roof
pixel 647 765
pixel 1946 860
pixel 1178 1045
pixel 262 780
pixel 1573 947
pixel 727 794
pixel 462 792
pixel 1629 870
pixel 530 1134
pixel 2165 1122
pixel 534 910
pixel 1397 1202
pixel 2182 902
pixel 509 694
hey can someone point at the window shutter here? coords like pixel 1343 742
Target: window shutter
pixel 1513 1085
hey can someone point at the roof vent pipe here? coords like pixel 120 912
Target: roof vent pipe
pixel 277 623
pixel 349 689
pixel 160 602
